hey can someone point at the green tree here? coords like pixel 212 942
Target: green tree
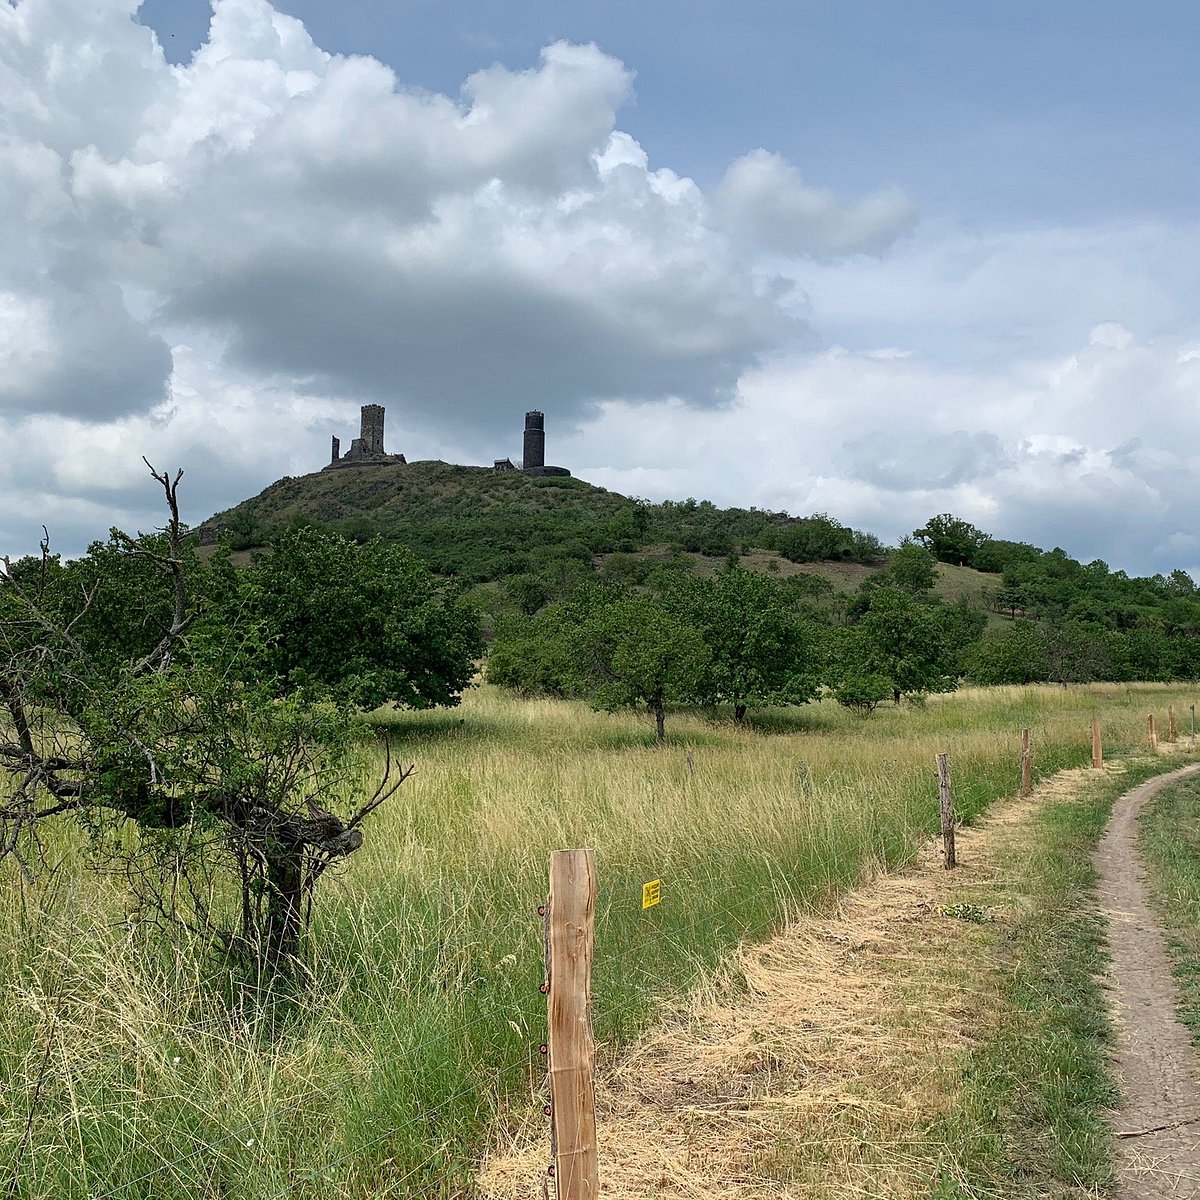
pixel 815 539
pixel 616 649
pixel 761 651
pixel 950 539
pixel 634 652
pixel 902 641
pixel 361 624
pixel 913 568
pixel 132 699
pixel 1018 655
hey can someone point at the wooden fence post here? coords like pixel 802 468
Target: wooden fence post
pixel 570 916
pixel 1193 724
pixel 1026 764
pixel 946 806
pixel 1153 735
pixel 1097 744
pixel 1170 723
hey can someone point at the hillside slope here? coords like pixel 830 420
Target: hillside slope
pixel 481 526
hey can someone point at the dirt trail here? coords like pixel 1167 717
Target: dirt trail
pixel 1160 1156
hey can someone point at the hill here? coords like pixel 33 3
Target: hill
pixel 482 526
pixel 518 541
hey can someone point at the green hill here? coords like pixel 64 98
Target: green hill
pixel 518 541
pixel 483 526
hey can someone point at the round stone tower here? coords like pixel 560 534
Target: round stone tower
pixel 534 454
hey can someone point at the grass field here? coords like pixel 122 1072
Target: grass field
pixel 1170 841
pixel 129 1074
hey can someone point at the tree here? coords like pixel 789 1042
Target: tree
pixel 900 640
pixel 634 652
pixel 615 649
pixel 1018 655
pixel 913 568
pixel 1075 652
pixel 361 624
pixel 761 652
pixel 814 539
pixel 950 539
pixel 133 697
pixel 862 694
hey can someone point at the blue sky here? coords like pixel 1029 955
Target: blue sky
pixel 988 113
pixel 876 259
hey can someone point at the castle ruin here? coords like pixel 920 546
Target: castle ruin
pixel 367 449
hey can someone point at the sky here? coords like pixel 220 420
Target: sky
pixel 876 259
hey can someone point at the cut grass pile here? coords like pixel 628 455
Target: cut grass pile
pixel 129 1073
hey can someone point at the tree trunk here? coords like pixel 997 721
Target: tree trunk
pixel 739 713
pixel 285 883
pixel 896 697
pixel 660 719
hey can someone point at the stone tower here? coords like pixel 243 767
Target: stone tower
pixel 366 449
pixel 371 435
pixel 535 440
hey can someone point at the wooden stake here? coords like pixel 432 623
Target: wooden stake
pixel 1026 764
pixel 1170 723
pixel 946 805
pixel 570 916
pixel 1153 735
pixel 1097 746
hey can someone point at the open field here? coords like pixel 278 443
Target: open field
pixel 127 1077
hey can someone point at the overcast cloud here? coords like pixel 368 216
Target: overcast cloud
pixel 214 263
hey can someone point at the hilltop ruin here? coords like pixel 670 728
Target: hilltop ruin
pixel 367 450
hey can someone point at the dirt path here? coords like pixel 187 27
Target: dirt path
pixel 1159 1068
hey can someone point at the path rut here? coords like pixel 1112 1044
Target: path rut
pixel 1158 1126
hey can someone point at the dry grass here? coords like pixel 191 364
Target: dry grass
pixel 422 1041
pixel 829 1062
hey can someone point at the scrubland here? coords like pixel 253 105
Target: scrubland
pixel 132 1067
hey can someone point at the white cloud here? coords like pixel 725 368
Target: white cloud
pixel 1053 451
pixel 765 200
pixel 472 255
pixel 214 264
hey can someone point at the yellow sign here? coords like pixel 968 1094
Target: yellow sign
pixel 651 893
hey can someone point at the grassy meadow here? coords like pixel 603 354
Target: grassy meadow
pixel 132 1068
pixel 1170 841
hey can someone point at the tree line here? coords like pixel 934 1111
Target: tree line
pixel 662 636
pixel 217 711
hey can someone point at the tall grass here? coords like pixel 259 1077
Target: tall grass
pixel 131 1068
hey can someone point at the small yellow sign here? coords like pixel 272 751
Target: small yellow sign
pixel 651 893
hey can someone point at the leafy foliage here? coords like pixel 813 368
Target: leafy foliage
pixel 761 650
pixel 364 624
pixel 214 712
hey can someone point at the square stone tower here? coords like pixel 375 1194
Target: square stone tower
pixel 371 436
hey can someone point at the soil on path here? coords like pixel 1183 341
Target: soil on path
pixel 1158 1127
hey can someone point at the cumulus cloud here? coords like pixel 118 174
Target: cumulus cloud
pixel 1050 451
pixel 764 199
pixel 473 254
